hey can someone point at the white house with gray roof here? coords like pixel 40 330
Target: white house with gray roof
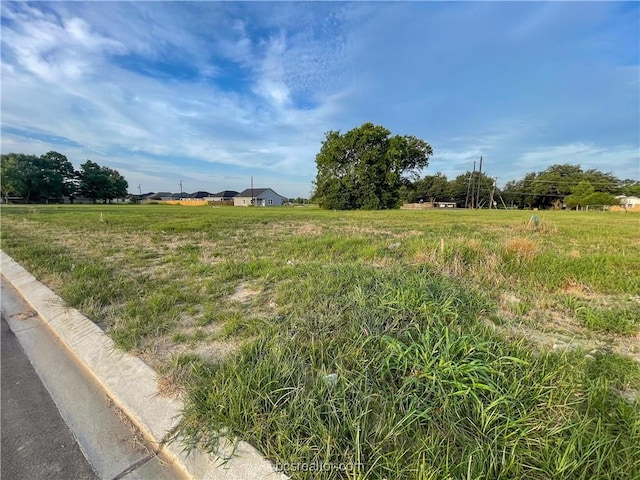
pixel 259 197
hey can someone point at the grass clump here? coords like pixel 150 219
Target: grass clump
pixel 398 380
pixel 617 320
pixel 621 372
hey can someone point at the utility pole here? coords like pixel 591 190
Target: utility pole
pixel 469 186
pixel 495 180
pixel 181 189
pixel 479 178
pixel 252 190
pixel 140 191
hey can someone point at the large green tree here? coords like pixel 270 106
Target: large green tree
pixel 58 176
pixel 48 177
pixel 13 174
pixel 585 194
pixel 101 183
pixel 366 167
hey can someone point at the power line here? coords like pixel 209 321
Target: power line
pixel 568 182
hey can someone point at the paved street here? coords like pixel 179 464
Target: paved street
pixel 36 442
pixel 39 434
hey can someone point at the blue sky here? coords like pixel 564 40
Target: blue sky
pixel 213 93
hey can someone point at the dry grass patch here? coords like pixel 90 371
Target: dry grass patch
pixel 573 288
pixel 309 229
pixel 522 248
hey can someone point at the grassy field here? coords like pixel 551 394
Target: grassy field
pixel 396 344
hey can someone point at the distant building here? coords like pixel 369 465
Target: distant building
pixel 161 196
pixel 628 202
pixel 139 198
pixel 199 195
pixel 223 196
pixel 259 197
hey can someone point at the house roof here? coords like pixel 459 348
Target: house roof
pixel 160 195
pixel 257 192
pixel 225 193
pixel 200 194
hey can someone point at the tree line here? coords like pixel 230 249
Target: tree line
pixel 367 168
pixel 569 185
pixel 51 177
pixel 556 187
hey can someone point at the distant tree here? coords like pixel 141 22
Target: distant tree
pixel 58 176
pixel 366 167
pixel 547 188
pixel 14 174
pixel 553 183
pixel 427 189
pixel 101 183
pixel 459 189
pixel 603 182
pixel 601 198
pixel 579 194
pixel 630 187
pixel 50 176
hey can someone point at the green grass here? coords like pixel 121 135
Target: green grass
pixel 405 344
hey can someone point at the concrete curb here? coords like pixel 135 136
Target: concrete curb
pixel 132 385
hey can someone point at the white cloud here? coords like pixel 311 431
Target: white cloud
pixel 624 159
pixel 99 74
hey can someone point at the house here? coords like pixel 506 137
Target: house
pixel 161 196
pixel 629 202
pixel 223 196
pixel 259 197
pixel 132 197
pixel 199 195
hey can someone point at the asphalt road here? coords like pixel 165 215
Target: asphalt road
pixel 36 442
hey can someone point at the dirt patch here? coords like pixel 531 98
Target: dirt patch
pixel 243 293
pixel 563 323
pixel 159 351
pixel 548 340
pixel 563 333
pixel 171 384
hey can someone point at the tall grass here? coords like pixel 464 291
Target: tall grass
pixel 419 390
pixel 374 341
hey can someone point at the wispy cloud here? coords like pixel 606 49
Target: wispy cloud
pixel 222 90
pixel 624 158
